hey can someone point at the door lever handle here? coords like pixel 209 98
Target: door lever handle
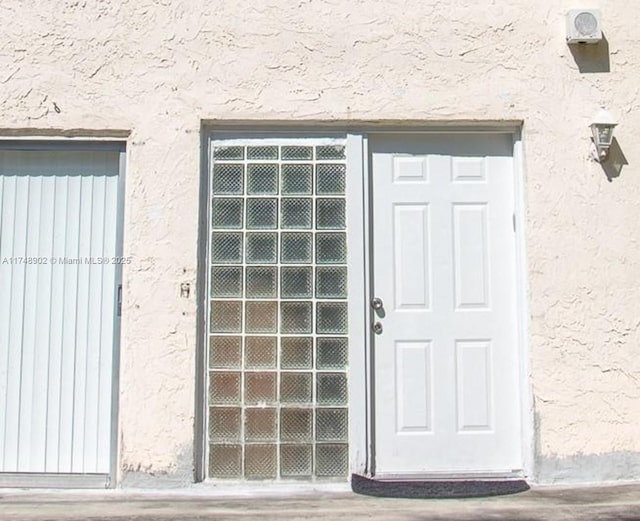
pixel 376 303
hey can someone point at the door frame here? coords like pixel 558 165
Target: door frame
pixel 78 480
pixel 359 258
pixel 526 404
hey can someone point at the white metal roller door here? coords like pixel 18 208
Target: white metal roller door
pixel 59 274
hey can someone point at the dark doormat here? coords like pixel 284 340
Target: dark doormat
pixel 432 489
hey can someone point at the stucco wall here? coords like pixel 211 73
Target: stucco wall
pixel 157 69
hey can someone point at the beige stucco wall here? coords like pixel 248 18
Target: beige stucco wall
pixel 158 68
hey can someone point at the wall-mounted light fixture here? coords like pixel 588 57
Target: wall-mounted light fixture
pixel 602 134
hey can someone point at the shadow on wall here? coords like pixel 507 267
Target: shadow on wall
pixel 615 161
pixel 592 57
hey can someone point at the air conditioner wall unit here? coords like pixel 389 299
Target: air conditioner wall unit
pixel 584 26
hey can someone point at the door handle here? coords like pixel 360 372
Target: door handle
pixel 377 328
pixel 376 303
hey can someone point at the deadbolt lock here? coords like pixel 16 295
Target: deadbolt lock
pixel 377 328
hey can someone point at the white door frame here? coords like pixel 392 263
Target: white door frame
pixel 359 208
pixel 362 376
pixel 55 480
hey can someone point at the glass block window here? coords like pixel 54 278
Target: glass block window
pixel 277 321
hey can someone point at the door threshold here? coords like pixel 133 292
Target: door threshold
pixel 53 480
pixel 433 488
pixel 451 476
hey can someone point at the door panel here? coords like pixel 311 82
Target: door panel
pixel 58 222
pixel 447 360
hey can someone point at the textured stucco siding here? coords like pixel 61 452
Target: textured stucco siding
pixel 157 69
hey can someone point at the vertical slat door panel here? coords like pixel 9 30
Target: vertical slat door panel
pixel 69 299
pixel 57 320
pixel 42 326
pixel 108 310
pixel 58 223
pixel 93 343
pixel 82 326
pixel 29 321
pixel 7 211
pixel 14 354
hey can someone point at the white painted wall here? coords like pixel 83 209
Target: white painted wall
pixel 157 69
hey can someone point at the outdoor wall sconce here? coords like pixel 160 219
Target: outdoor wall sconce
pixel 602 134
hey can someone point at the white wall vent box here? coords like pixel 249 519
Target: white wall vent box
pixel 584 26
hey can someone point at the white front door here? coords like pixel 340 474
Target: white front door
pixel 447 359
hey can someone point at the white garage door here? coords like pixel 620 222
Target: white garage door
pixel 59 277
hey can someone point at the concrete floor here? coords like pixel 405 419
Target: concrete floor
pixel 593 503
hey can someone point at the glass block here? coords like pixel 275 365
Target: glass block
pixel 331 248
pixel 330 152
pixel 260 461
pixel 226 316
pixel 226 213
pixel 331 389
pixel 296 213
pixel 228 179
pixel 232 152
pixel 261 317
pixel 259 388
pixel 224 388
pixel 226 248
pixel 330 179
pixel 332 425
pixel 296 425
pixel 296 461
pixel 297 152
pixel 261 282
pixel 295 248
pixel 332 353
pixel 260 352
pixel 224 423
pixel 296 282
pixel 331 282
pixel 331 460
pixel 225 461
pixel 331 318
pixel 296 353
pixel 225 352
pixel 295 317
pixel 330 214
pixel 296 387
pixel 262 179
pixel 262 248
pixel 262 214
pixel 297 179
pixel 226 281
pixel 264 152
pixel 260 425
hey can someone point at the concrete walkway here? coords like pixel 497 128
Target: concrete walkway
pixel 620 503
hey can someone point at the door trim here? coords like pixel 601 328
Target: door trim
pixel 65 480
pixel 521 286
pixel 522 292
